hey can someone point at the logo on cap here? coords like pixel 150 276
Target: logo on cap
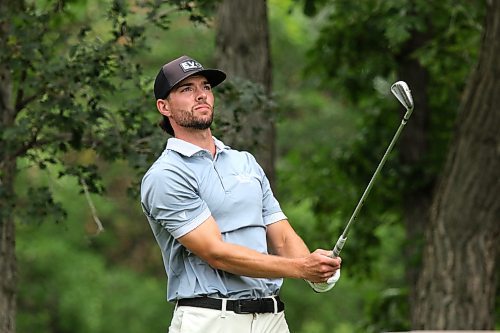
pixel 190 65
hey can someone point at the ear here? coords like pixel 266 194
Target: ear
pixel 163 107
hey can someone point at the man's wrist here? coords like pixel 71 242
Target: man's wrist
pixel 299 268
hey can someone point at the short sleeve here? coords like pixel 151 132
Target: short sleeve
pixel 271 210
pixel 170 197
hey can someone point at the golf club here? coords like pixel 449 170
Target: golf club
pixel 402 92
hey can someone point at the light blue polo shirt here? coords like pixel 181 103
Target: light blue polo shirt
pixel 182 189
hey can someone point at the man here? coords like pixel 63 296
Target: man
pixel 225 242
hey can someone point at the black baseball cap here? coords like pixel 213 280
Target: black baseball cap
pixel 177 70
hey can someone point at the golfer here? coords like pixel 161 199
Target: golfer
pixel 225 242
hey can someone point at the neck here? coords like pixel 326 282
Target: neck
pixel 200 138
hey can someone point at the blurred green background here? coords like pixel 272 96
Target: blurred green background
pixel 74 278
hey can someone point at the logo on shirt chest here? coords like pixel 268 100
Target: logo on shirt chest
pixel 244 179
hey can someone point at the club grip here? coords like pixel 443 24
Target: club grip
pixel 338 246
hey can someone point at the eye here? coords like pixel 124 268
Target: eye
pixel 207 87
pixel 186 89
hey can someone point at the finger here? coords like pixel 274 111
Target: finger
pixel 335 277
pixel 324 252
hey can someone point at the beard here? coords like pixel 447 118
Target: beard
pixel 188 119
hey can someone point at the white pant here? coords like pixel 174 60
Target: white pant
pixel 187 319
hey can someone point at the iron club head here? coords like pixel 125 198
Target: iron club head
pixel 403 94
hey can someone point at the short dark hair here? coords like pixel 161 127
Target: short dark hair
pixel 164 123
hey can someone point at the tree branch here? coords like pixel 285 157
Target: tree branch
pixel 100 228
pixel 36 143
pixel 21 104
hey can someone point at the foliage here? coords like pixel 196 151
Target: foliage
pixel 362 47
pixel 239 98
pixel 66 289
pixel 72 279
pixel 358 50
pixel 63 83
pixel 356 55
pixel 366 42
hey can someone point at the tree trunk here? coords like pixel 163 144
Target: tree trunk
pixel 414 149
pixel 7 232
pixel 243 51
pixel 8 269
pixel 417 200
pixel 457 284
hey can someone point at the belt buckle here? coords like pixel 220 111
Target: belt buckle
pixel 238 307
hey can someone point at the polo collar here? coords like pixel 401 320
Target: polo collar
pixel 188 149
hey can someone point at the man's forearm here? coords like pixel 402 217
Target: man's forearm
pixel 282 240
pixel 240 260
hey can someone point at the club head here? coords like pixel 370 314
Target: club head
pixel 403 94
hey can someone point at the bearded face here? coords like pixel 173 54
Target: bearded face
pixel 191 103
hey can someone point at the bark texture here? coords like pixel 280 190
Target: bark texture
pixel 7 174
pixel 414 150
pixel 457 286
pixel 8 168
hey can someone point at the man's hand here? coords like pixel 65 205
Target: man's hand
pixel 321 287
pixel 319 266
pixel 331 275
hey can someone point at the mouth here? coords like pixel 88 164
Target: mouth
pixel 203 107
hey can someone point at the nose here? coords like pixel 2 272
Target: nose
pixel 201 95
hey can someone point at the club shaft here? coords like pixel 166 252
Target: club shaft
pixel 340 242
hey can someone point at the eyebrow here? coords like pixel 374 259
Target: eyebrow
pixel 189 84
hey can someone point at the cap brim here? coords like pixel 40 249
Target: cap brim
pixel 163 87
pixel 214 76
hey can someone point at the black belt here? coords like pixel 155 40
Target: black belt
pixel 260 305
